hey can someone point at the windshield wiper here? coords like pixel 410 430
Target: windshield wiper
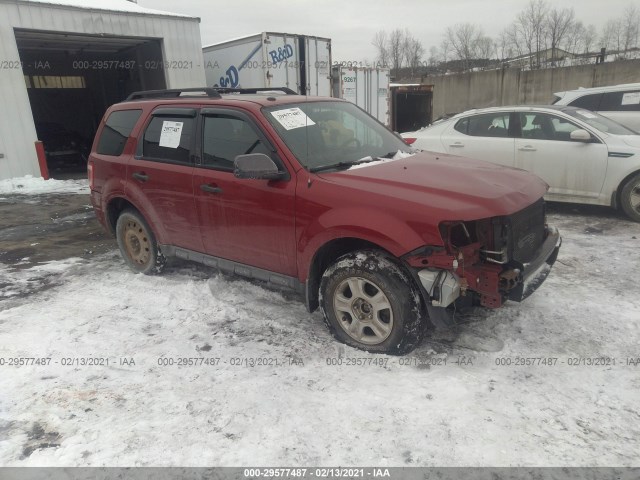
pixel 331 166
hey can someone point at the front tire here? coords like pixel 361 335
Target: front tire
pixel 630 198
pixel 138 244
pixel 370 303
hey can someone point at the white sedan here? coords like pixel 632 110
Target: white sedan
pixel 583 156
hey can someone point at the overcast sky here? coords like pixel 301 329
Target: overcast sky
pixel 351 24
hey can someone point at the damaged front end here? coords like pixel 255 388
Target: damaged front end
pixel 488 261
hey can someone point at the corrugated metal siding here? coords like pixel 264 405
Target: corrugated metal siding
pixel 181 43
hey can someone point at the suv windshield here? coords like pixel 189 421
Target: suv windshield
pixel 599 122
pixel 321 134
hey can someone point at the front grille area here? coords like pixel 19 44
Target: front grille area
pixel 526 232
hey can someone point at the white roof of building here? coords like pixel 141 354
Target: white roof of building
pixel 124 6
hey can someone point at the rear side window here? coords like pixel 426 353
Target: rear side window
pixel 485 125
pixel 168 139
pixel 621 102
pixel 588 102
pixel 116 131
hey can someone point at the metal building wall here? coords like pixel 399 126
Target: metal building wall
pixel 181 43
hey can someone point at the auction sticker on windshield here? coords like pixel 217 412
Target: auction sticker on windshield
pixel 291 118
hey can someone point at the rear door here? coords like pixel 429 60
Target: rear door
pixel 486 136
pixel 247 221
pixel 571 168
pixel 160 177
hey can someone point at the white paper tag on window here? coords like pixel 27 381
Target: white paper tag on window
pixel 631 98
pixel 291 118
pixel 586 114
pixel 170 134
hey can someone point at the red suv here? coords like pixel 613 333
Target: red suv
pixel 315 195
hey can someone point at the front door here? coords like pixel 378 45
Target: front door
pixel 247 221
pixel 571 168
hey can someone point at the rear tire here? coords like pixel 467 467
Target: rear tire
pixel 370 303
pixel 630 198
pixel 138 243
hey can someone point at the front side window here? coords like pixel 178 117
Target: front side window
pixel 485 125
pixel 543 126
pixel 537 126
pixel 116 131
pixel 168 139
pixel 225 137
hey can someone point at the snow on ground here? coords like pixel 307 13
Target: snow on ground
pixel 29 185
pixel 303 407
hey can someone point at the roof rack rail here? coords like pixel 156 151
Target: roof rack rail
pixel 173 93
pixel 284 90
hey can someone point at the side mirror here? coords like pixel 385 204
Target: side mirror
pixel 580 136
pixel 256 166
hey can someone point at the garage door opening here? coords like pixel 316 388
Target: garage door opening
pixel 73 78
pixel 411 107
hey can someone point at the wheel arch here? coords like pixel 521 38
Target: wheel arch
pixel 616 198
pixel 117 204
pixel 329 252
pixel 115 207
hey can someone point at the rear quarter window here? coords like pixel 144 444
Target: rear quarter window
pixel 116 131
pixel 621 102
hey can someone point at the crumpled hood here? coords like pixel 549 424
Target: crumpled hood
pixel 454 188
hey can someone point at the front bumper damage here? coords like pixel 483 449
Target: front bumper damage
pixel 493 283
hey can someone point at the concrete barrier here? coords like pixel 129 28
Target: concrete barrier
pixel 512 86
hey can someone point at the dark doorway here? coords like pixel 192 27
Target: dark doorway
pixel 73 78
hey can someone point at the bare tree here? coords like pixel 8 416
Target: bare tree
pixel 434 56
pixel 445 50
pixel 590 36
pixel 558 24
pixel 396 50
pixel 380 42
pixel 530 28
pixel 413 51
pixel 464 38
pixel 514 41
pixel 630 27
pixel 485 50
pixel 611 38
pixel 505 46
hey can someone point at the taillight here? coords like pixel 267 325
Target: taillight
pixel 409 140
pixel 90 174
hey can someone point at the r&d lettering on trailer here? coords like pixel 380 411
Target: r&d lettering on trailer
pixel 281 53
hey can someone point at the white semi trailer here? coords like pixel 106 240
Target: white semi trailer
pixel 268 59
pixel 366 87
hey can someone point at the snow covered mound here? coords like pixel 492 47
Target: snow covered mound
pixel 29 185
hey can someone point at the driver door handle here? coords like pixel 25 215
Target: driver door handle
pixel 457 145
pixel 205 187
pixel 527 148
pixel 143 177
